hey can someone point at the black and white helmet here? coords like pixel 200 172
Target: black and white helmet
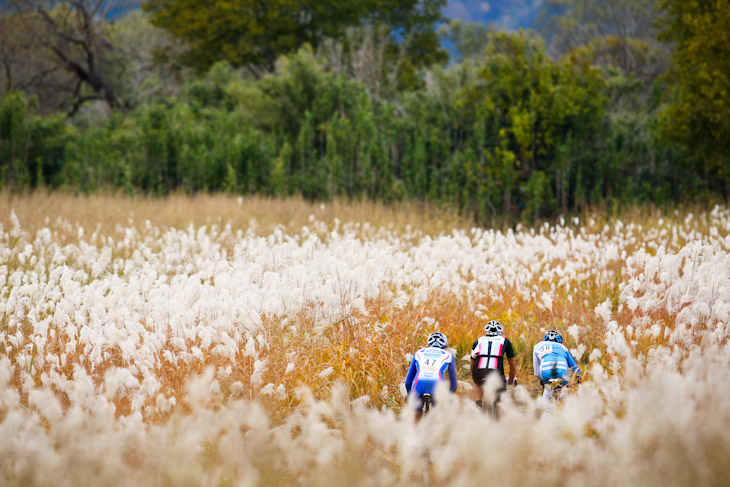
pixel 553 336
pixel 437 339
pixel 493 328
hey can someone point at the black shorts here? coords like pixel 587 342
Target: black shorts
pixel 480 376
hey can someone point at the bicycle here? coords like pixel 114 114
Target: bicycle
pixel 558 388
pixel 494 408
pixel 426 406
pixel 555 386
pixel 427 403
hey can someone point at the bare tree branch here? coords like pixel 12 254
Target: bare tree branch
pixel 8 75
pixel 72 32
pixel 80 101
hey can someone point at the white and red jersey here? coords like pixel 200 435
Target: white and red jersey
pixel 489 352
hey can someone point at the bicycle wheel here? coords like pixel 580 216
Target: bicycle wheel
pixel 426 403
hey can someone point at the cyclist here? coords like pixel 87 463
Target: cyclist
pixel 553 363
pixel 428 368
pixel 487 359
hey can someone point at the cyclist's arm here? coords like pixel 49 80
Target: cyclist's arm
pixel 473 359
pixel 536 364
pixel 510 353
pixel 571 362
pixel 452 376
pixel 411 375
pixel 512 370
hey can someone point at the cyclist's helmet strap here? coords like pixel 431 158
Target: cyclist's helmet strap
pixel 553 336
pixel 493 328
pixel 437 339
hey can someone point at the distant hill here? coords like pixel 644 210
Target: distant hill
pixel 510 14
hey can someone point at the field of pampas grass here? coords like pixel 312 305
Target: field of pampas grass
pixel 216 341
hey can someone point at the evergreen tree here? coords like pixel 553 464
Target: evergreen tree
pixel 255 33
pixel 698 119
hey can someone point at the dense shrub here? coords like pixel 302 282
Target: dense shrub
pixel 509 133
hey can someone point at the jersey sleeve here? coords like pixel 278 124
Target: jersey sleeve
pixel 536 362
pixel 453 384
pixel 474 349
pixel 572 365
pixel 509 351
pixel 411 375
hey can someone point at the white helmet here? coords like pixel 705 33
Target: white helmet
pixel 493 328
pixel 437 339
pixel 553 336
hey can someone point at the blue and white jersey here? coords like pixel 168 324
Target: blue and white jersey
pixel 428 368
pixel 552 360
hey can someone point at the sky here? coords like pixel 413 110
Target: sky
pixel 510 14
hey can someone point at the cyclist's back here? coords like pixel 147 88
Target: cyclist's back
pixel 429 367
pixel 487 359
pixel 552 360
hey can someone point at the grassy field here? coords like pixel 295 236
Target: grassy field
pixel 224 341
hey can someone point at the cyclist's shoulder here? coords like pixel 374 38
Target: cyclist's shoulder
pixel 432 351
pixel 443 352
pixel 553 347
pixel 492 339
pixel 544 344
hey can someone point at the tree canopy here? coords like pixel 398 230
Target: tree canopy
pixel 618 33
pixel 254 33
pixel 699 118
pixel 347 101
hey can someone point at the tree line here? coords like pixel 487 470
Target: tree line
pixel 603 102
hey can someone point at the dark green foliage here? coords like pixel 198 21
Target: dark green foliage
pixel 508 133
pixel 697 120
pixel 255 33
pixel 32 148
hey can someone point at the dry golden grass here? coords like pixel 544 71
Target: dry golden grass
pixel 375 364
pixel 368 356
pixel 338 359
pixel 105 211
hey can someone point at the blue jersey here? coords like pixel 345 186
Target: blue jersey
pixel 428 368
pixel 552 360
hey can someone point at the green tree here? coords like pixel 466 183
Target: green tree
pixel 254 33
pixel 145 59
pixel 468 38
pixel 621 39
pixel 698 119
pixel 529 107
pixel 32 148
pixel 385 65
pixel 616 33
